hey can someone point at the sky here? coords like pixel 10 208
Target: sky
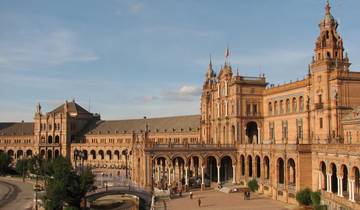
pixel 134 58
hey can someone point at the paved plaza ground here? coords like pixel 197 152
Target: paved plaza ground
pixel 215 200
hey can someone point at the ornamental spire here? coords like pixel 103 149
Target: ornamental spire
pixel 327 7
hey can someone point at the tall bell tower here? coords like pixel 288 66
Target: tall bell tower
pixel 326 90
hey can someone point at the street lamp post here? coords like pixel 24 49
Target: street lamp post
pixel 36 167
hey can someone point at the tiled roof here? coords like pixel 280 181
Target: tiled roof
pixel 163 124
pixel 72 107
pixel 16 129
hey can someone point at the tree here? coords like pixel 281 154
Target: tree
pixel 66 186
pixel 315 198
pixel 303 197
pixel 22 166
pixel 5 161
pixel 253 185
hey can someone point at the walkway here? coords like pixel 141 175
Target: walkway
pixel 15 194
pixel 214 200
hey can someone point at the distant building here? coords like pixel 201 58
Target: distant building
pixel 288 137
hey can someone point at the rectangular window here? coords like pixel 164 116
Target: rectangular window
pixel 255 109
pixel 248 109
pixel 321 122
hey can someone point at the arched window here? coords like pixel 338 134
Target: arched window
pixel 57 139
pixel 281 107
pixel 275 107
pixel 50 139
pixel 287 105
pixel 294 105
pixel 301 104
pixel 270 108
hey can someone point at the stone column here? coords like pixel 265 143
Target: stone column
pixel 158 174
pixel 259 136
pixel 186 177
pixel 234 174
pixel 352 190
pixel 320 180
pixel 340 187
pixel 202 178
pixel 169 176
pixel 329 183
pixel 218 174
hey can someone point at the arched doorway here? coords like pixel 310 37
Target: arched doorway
pixel 334 180
pixel 117 154
pixel 250 168
pixel 19 154
pixel 57 153
pixel 42 153
pixel 258 166
pixel 252 132
pixel 280 171
pixel 226 172
pixel 179 169
pixel 28 153
pixel 211 169
pixel 344 181
pixel 108 155
pixel 291 172
pixel 93 154
pixel 357 183
pixel 323 176
pixel 267 167
pixel 49 154
pixel 101 153
pixel 11 153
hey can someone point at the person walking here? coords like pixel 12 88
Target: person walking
pixel 199 202
pixel 191 195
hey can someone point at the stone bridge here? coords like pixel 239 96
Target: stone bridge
pixel 143 195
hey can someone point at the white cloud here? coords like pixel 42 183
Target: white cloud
pixel 136 8
pixel 43 49
pixel 184 93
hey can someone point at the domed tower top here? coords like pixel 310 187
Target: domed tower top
pixel 329 44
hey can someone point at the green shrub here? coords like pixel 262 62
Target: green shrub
pixel 303 197
pixel 253 185
pixel 315 198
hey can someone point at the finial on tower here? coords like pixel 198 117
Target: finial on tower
pixel 227 54
pixel 38 108
pixel 327 7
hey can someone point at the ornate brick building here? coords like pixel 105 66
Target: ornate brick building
pixel 288 137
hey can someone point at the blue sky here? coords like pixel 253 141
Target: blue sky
pixel 133 57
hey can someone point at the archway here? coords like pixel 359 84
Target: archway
pixel 101 153
pixel 49 154
pixel 323 176
pixel 250 168
pixel 93 154
pixel 179 169
pixel 291 172
pixel 334 180
pixel 356 176
pixel 11 153
pixel 85 154
pixel 42 153
pixel 242 163
pixel 258 166
pixel 267 167
pixel 117 154
pixel 19 154
pixel 57 139
pixel 108 155
pixel 344 180
pixel 280 167
pixel 50 139
pixel 57 153
pixel 211 168
pixel 252 132
pixel 226 172
pixel 28 153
